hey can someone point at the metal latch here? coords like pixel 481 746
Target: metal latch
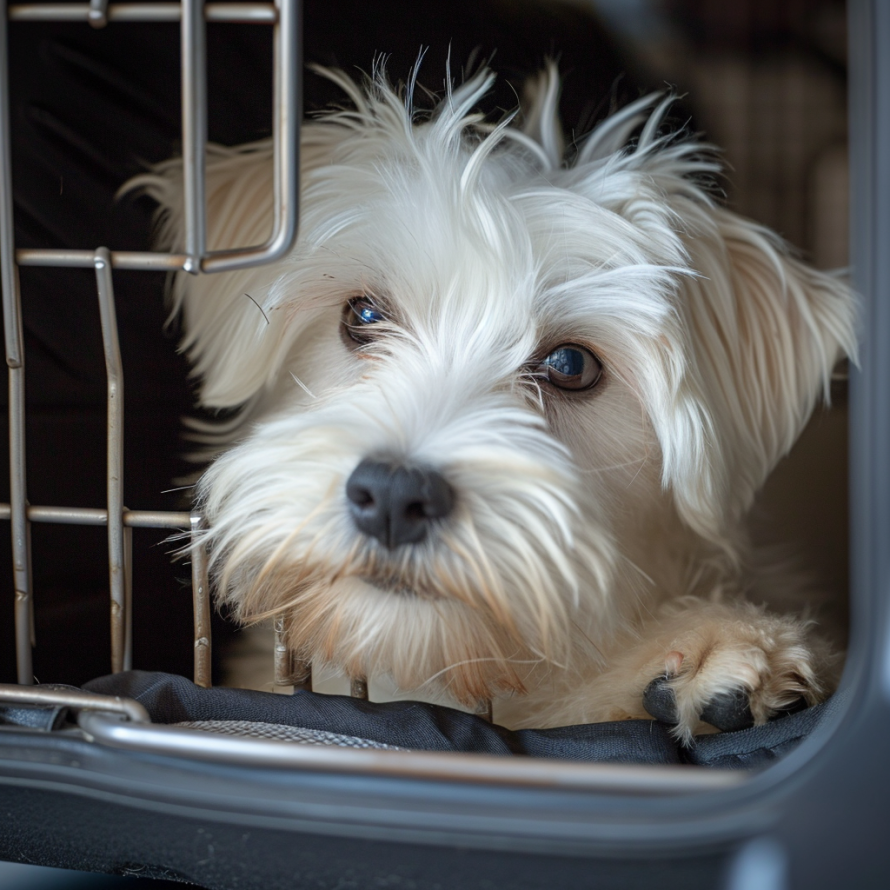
pixel 53 706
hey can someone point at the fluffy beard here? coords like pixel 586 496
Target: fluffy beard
pixel 495 589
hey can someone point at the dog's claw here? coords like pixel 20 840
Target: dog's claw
pixel 659 700
pixel 729 711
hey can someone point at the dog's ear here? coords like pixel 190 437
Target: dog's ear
pixel 760 331
pixel 231 334
pixel 766 331
pixel 221 325
pixel 763 332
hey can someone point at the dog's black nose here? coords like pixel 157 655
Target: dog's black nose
pixel 395 504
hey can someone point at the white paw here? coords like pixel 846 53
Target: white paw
pixel 734 672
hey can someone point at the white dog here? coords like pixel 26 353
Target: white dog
pixel 501 415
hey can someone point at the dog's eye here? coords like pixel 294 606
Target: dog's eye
pixel 359 314
pixel 571 367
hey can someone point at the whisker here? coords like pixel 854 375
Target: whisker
pixel 640 470
pixel 303 386
pixel 589 639
pixel 628 561
pixel 593 471
pixel 467 661
pixel 252 300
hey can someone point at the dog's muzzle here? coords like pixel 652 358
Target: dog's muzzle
pixel 397 504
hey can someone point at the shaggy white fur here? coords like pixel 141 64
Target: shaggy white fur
pixel 454 292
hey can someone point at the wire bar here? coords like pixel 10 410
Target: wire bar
pixel 95 516
pixel 192 16
pixel 98 14
pixel 15 360
pixel 289 670
pixel 282 656
pixel 120 617
pixel 69 697
pixel 128 596
pixel 240 13
pixel 139 260
pixel 286 140
pixel 21 534
pixel 154 519
pixel 201 605
pixel 194 130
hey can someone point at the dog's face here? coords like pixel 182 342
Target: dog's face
pixel 485 383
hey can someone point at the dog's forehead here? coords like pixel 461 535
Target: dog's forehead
pixel 428 248
pixel 540 267
pixel 513 254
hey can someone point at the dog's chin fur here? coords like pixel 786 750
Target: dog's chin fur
pixel 597 538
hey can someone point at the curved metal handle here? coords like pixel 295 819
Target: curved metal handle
pixel 286 140
pixel 76 699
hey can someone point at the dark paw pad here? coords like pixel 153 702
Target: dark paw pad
pixel 659 700
pixel 729 711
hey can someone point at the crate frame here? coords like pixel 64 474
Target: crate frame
pixel 763 824
pixel 283 17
